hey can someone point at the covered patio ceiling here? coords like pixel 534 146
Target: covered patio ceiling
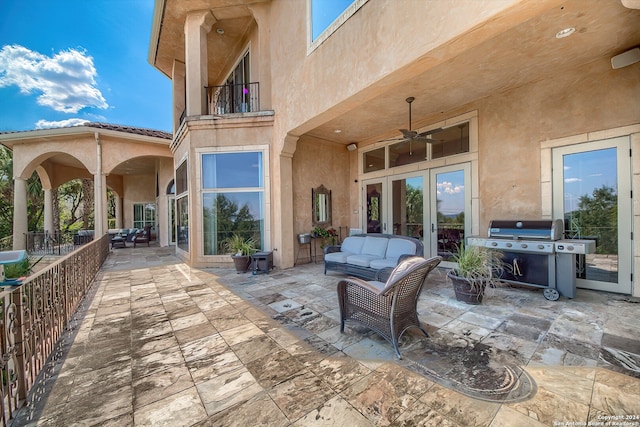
pixel 515 57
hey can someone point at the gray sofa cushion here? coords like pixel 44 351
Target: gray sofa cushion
pixel 362 260
pixel 350 246
pixel 375 246
pixel 397 247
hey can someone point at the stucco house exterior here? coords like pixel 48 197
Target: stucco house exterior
pixel 418 117
pixel 513 100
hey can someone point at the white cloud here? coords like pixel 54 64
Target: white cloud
pixel 66 81
pixel 569 180
pixel 45 124
pixel 449 188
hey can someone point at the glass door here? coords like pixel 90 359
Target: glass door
pixel 450 209
pixel 374 196
pixel 592 193
pixel 407 205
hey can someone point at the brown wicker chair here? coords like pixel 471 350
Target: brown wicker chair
pixel 387 308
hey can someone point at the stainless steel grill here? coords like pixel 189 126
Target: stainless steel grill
pixel 537 254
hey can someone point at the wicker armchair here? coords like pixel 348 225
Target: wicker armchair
pixel 387 308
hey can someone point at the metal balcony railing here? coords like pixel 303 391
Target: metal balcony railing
pixel 233 98
pixel 33 318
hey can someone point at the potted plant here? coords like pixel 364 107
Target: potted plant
pixel 240 250
pixel 16 272
pixel 477 268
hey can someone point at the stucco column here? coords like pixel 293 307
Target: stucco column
pixel 179 89
pixel 284 199
pixel 20 220
pixel 118 201
pixel 99 193
pixel 48 211
pixel 196 27
pixel 261 70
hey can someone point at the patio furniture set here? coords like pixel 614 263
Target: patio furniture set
pixel 120 237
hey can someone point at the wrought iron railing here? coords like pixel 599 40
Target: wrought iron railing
pixel 33 317
pixel 56 243
pixel 233 98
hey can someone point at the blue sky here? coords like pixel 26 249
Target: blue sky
pixel 68 61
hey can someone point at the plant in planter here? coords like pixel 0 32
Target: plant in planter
pixel 240 249
pixel 477 268
pixel 16 271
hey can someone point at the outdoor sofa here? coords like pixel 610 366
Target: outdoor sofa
pixel 364 255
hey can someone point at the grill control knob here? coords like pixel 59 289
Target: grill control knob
pixel 524 245
pixel 494 243
pixel 560 247
pixel 569 248
pixel 509 245
pixel 540 246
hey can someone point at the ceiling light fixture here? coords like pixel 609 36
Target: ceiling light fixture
pixel 337 131
pixel 565 33
pixel 220 31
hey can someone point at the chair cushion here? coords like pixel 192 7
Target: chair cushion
pixel 340 257
pixel 362 260
pixel 383 262
pixel 397 247
pixel 352 245
pixel 376 246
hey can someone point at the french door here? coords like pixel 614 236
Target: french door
pixel 432 205
pixel 592 193
pixel 450 209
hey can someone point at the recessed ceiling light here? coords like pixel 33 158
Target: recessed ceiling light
pixel 220 31
pixel 337 131
pixel 565 33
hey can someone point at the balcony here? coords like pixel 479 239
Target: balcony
pixel 233 98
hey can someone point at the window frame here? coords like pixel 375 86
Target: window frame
pixel 264 189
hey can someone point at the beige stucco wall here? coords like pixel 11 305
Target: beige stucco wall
pixel 316 163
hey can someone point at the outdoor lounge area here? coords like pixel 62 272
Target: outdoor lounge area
pixel 213 347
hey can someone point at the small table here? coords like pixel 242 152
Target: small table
pixel 118 240
pixel 262 262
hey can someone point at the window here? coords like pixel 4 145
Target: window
pixel 326 16
pixel 182 207
pixel 144 214
pixel 374 160
pixel 442 142
pixel 232 199
pixel 181 178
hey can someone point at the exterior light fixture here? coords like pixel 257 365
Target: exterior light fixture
pixel 337 131
pixel 220 31
pixel 565 33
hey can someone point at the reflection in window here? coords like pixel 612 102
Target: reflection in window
pixel 407 152
pixel 232 198
pixel 232 170
pixel 449 141
pixel 324 12
pixel 183 223
pixel 373 160
pixel 225 214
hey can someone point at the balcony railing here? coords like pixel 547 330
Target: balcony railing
pixel 56 243
pixel 33 318
pixel 233 98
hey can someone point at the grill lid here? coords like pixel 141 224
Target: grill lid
pixel 545 229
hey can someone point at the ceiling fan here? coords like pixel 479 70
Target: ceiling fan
pixel 408 134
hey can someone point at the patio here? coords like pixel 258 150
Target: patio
pixel 158 343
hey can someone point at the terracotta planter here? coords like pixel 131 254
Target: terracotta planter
pixel 465 292
pixel 241 262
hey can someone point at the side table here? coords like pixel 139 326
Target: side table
pixel 262 262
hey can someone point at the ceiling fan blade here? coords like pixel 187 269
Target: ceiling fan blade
pixel 409 133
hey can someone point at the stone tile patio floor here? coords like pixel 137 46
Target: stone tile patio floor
pixel 158 343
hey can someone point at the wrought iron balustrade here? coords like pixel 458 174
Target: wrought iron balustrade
pixel 233 98
pixel 33 318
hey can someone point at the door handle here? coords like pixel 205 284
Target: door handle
pixel 433 228
pixel 384 226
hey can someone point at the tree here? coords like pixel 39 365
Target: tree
pixel 597 217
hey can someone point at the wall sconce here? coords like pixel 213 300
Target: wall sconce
pixel 351 147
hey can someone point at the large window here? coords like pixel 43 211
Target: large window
pixel 232 199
